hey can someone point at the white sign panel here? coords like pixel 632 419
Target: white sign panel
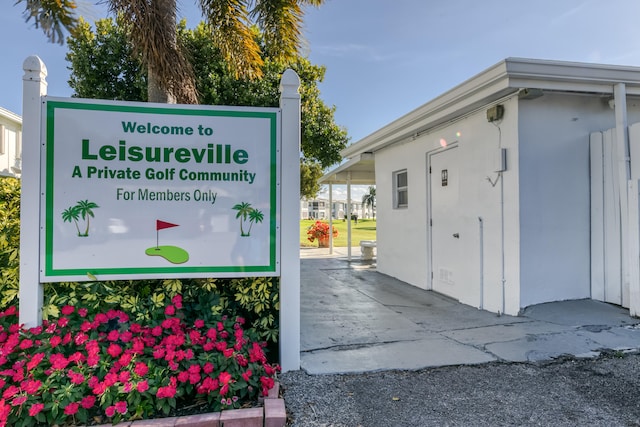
pixel 137 190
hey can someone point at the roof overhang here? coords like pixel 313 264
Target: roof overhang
pixel 359 170
pixel 497 82
pixel 504 79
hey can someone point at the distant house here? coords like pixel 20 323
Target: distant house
pixel 517 187
pixel 10 143
pixel 319 209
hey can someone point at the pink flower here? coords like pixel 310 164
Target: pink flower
pixel 58 361
pixel 71 408
pixel 156 331
pixel 142 386
pixel 35 409
pixel 169 310
pixel 62 322
pixel 80 338
pixel 126 336
pixel 166 392
pixel 18 400
pixel 113 335
pixel 110 411
pixel 67 310
pixel 114 350
pixel 82 312
pixel 124 376
pixel 76 377
pixel 177 301
pixel 183 376
pixel 87 402
pixel 121 407
pixel 55 341
pixel 208 368
pixel 199 323
pixel 32 386
pixel 125 359
pixel 247 375
pixel 141 369
pixel 25 344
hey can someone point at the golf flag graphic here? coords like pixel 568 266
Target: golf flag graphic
pixel 161 225
pixel 173 254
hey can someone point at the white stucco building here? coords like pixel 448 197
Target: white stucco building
pixel 10 143
pixel 511 189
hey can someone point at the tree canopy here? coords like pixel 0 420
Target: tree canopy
pixel 151 26
pixel 105 65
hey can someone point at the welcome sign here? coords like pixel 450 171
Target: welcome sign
pixel 138 190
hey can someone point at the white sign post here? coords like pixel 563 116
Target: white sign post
pixel 122 190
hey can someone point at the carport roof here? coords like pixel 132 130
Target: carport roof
pixel 358 170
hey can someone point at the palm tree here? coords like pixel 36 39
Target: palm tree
pixel 85 208
pixel 369 199
pixel 255 216
pixel 244 209
pixel 152 31
pixel 72 214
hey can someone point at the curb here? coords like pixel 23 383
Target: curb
pixel 271 414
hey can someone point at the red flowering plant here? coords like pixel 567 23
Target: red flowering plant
pixel 107 368
pixel 320 230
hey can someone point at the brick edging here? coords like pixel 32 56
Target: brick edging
pixel 272 414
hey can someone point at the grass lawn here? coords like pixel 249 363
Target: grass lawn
pixel 364 230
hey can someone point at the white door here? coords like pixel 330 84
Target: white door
pixel 445 222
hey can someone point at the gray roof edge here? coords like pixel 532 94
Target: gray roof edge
pixel 10 115
pixel 506 76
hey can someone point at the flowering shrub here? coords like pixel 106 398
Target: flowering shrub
pixel 318 230
pixel 108 368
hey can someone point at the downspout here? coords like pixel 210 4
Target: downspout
pixel 481 230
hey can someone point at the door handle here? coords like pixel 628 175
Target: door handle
pixel 456 235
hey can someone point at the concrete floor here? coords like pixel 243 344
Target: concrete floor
pixel 354 319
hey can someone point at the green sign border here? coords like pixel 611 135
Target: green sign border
pixel 273 114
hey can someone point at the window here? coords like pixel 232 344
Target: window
pixel 400 189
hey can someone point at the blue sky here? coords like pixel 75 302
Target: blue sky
pixel 385 58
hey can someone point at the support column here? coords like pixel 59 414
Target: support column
pixel 330 219
pixel 31 295
pixel 624 173
pixel 349 216
pixel 290 223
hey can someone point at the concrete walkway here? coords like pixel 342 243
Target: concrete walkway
pixel 354 319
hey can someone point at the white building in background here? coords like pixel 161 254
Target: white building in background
pixel 10 143
pixel 319 209
pixel 517 187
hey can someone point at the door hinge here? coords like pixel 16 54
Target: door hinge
pixel 430 222
pixel 429 169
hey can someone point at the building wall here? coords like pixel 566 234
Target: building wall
pixel 555 192
pixel 525 233
pixel 10 143
pixel 404 235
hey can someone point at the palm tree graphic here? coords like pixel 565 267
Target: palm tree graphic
pixel 72 214
pixel 255 216
pixel 84 209
pixel 245 211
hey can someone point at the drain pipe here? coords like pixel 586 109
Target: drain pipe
pixel 481 229
pixel 502 261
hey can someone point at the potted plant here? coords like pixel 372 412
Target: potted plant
pixel 320 230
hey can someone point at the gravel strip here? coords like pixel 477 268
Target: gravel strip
pixel 569 392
